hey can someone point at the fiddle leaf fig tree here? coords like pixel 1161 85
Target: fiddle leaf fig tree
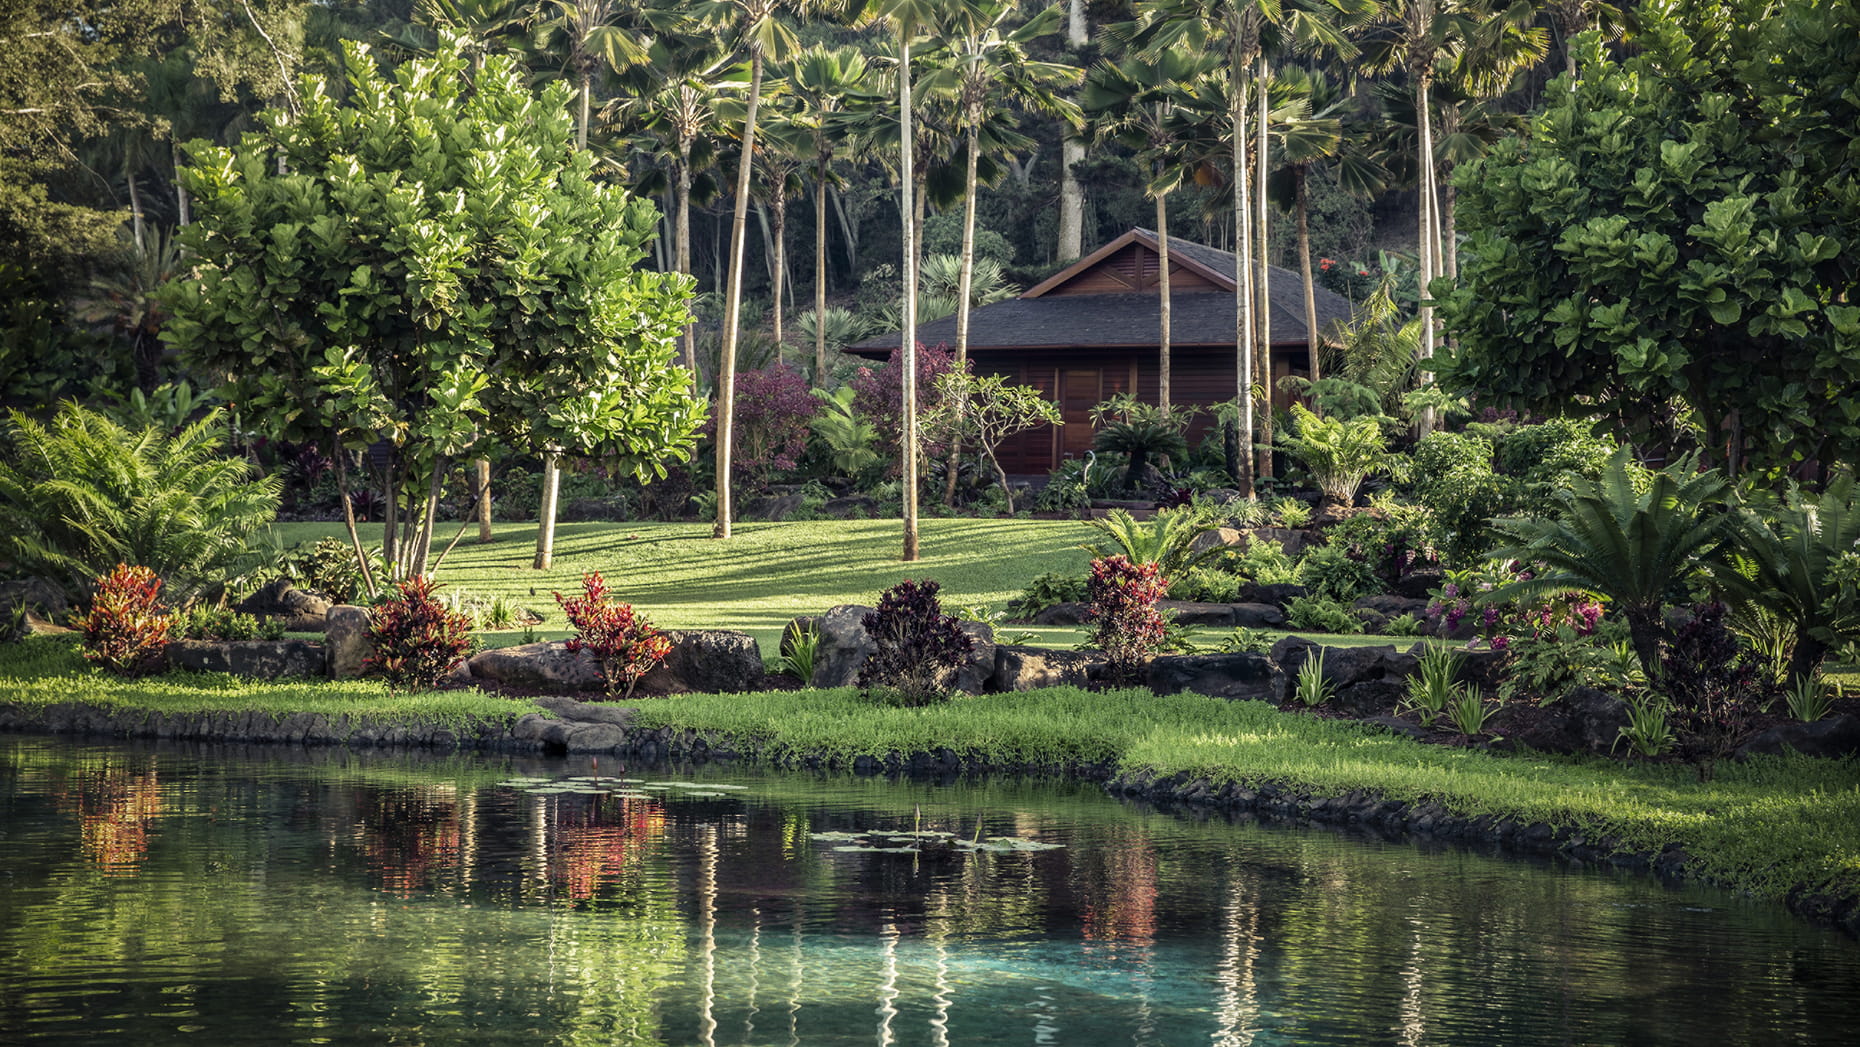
pixel 420 266
pixel 1680 227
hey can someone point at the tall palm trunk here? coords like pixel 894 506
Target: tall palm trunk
pixel 1304 271
pixel 1071 239
pixel 1264 266
pixel 1243 279
pixel 481 470
pixel 820 279
pixel 779 240
pixel 1163 303
pixel 682 243
pixel 964 282
pixel 907 209
pixel 1429 241
pixel 733 301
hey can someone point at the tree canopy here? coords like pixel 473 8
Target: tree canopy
pixel 424 262
pixel 1680 226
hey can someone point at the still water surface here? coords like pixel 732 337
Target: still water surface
pixel 216 895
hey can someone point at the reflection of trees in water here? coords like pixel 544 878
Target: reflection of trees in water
pixel 115 807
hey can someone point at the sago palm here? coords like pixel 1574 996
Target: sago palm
pixel 1339 454
pixel 1632 543
pixel 1798 557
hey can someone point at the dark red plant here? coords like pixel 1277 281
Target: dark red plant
pixel 1714 686
pixel 918 646
pixel 417 639
pixel 878 394
pixel 770 427
pixel 621 640
pixel 126 629
pixel 1125 622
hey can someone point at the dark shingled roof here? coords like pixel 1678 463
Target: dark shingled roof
pixel 1126 319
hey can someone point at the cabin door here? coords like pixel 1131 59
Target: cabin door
pixel 1081 389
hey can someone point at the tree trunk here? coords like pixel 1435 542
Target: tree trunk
pixel 1428 245
pixel 1304 269
pixel 908 438
pixel 780 241
pixel 429 514
pixel 341 458
pixel 135 205
pixel 581 119
pixel 733 303
pixel 1243 280
pixel 682 245
pixel 965 281
pixel 545 510
pixel 183 207
pixel 1805 660
pixel 482 467
pixel 1163 303
pixel 1071 239
pixel 1646 630
pixel 1264 267
pixel 820 280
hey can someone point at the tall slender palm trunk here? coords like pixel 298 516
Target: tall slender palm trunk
pixel 1263 378
pixel 907 209
pixel 965 281
pixel 820 280
pixel 1304 270
pixel 733 303
pixel 1163 304
pixel 1243 280
pixel 681 239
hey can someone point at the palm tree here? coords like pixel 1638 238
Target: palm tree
pixel 588 37
pixel 823 82
pixel 1138 102
pixel 985 68
pixel 907 19
pixel 124 298
pixel 764 37
pixel 781 150
pixel 1794 554
pixel 1423 39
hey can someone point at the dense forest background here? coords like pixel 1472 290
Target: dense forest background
pixel 98 101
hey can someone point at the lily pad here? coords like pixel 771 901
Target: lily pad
pixel 862 849
pixel 828 837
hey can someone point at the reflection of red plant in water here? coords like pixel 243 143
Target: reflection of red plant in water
pixel 115 810
pixel 404 839
pixel 601 841
pixel 1123 908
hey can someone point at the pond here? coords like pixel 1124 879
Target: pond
pixel 218 895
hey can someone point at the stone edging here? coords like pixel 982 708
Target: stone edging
pixel 582 727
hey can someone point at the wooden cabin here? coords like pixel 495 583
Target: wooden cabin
pixel 1091 330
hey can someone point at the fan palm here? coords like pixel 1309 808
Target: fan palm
pixel 825 83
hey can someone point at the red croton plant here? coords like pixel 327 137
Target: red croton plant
pixel 625 644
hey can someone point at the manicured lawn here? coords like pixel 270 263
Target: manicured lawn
pixel 767 573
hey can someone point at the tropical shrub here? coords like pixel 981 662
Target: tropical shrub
pixel 1333 573
pixel 1311 687
pixel 918 646
pixel 1207 585
pixel 126 630
pixel 1802 562
pixel 624 644
pixel 1168 541
pixel 1452 477
pixel 1263 562
pixel 1712 685
pixel 1811 699
pixel 1125 623
pixel 878 397
pixel 208 622
pixel 1436 686
pixel 417 639
pixel 1395 540
pixel 328 566
pixel 771 418
pixel 1318 615
pixel 83 492
pixel 849 436
pixel 1045 590
pixel 1540 459
pixel 1338 453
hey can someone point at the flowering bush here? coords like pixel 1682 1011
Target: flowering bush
pixel 417 638
pixel 878 396
pixel 625 644
pixel 1125 623
pixel 126 629
pixel 773 409
pixel 1503 622
pixel 918 645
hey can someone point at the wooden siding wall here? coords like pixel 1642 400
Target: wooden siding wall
pixel 1078 379
pixel 1134 269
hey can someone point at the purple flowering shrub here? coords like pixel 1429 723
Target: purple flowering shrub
pixel 1501 623
pixel 878 395
pixel 769 431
